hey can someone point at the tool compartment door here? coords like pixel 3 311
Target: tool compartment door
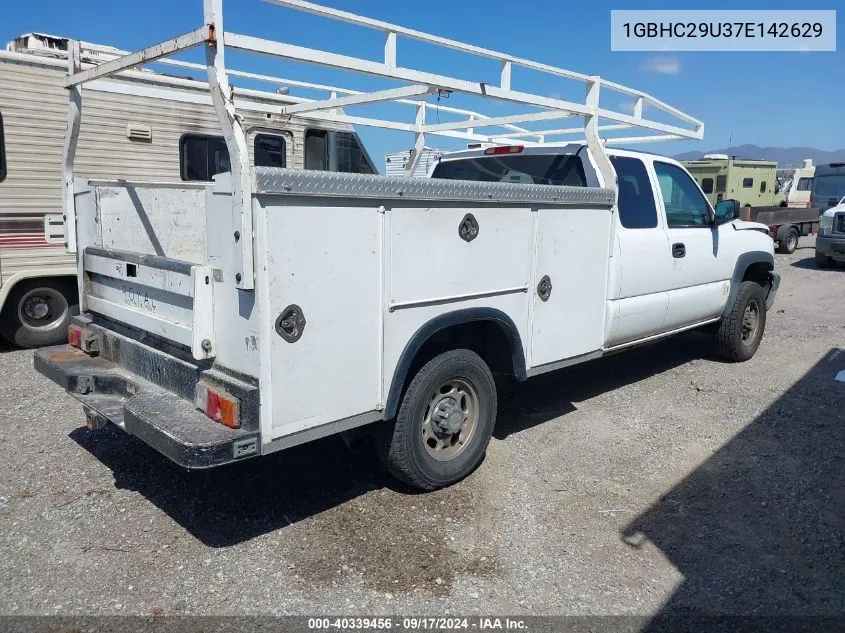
pixel 326 261
pixel 572 250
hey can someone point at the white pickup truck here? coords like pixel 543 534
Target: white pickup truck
pixel 277 306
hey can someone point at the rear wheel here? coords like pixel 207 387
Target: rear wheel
pixel 790 241
pixel 37 312
pixel 444 423
pixel 741 331
pixel 823 261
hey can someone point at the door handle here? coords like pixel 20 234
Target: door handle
pixel 678 250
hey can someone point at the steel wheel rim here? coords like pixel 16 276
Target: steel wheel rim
pixel 444 436
pixel 791 241
pixel 750 321
pixel 42 309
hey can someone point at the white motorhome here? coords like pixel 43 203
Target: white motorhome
pixel 286 305
pixel 799 185
pixel 161 129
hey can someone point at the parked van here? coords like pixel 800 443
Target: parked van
pixel 828 186
pixel 799 186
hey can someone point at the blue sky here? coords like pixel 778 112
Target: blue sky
pixel 780 99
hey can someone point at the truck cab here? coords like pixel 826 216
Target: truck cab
pixel 676 262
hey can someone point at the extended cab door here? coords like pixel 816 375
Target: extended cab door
pixel 638 290
pixel 700 254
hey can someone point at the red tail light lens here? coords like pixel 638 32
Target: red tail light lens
pixel 504 149
pixel 74 336
pixel 219 406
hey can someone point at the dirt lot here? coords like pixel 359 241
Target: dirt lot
pixel 660 480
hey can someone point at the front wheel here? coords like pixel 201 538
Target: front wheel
pixel 742 329
pixel 37 312
pixel 823 261
pixel 444 423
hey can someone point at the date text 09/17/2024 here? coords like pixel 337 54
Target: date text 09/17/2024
pixel 478 623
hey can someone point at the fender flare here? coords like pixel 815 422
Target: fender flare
pixel 439 323
pixel 743 262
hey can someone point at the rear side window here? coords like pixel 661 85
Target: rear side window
pixel 707 185
pixel 747 183
pixel 636 198
pixel 763 187
pixel 316 150
pixel 537 169
pixel 721 183
pixel 2 152
pixel 201 157
pixel 805 184
pixel 269 150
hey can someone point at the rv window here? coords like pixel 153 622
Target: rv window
pixel 269 151
pixel 747 183
pixel 721 183
pixel 763 187
pixel 707 185
pixel 316 156
pixel 805 184
pixel 636 199
pixel 201 157
pixel 336 151
pixel 348 155
pixel 2 152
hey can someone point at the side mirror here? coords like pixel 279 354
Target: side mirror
pixel 726 210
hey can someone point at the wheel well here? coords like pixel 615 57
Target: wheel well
pixel 759 272
pixel 67 282
pixel 493 337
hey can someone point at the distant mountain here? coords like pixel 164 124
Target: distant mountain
pixel 785 156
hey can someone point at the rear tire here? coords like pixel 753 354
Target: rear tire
pixel 444 422
pixel 823 261
pixel 741 331
pixel 789 242
pixel 37 312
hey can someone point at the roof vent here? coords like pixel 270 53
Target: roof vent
pixel 139 131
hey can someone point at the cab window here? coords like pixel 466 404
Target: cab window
pixel 636 199
pixel 682 200
pixel 707 185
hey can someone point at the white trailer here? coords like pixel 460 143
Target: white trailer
pixel 288 305
pixel 162 129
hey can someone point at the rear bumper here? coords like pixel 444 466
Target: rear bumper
pixel 167 422
pixel 832 246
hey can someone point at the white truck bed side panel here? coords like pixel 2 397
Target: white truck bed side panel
pixel 572 252
pixel 325 259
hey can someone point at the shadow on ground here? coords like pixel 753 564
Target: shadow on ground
pixel 227 505
pixel 809 263
pixel 759 528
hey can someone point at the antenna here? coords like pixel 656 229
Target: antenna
pixel 730 142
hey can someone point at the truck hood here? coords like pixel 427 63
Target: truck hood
pixel 742 225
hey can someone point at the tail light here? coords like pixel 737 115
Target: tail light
pixel 219 406
pixel 504 149
pixel 773 230
pixel 811 198
pixel 74 336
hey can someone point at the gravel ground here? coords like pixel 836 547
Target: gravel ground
pixel 656 481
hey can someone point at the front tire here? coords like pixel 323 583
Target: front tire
pixel 741 331
pixel 444 422
pixel 37 312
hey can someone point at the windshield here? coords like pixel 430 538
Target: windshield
pixel 538 169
